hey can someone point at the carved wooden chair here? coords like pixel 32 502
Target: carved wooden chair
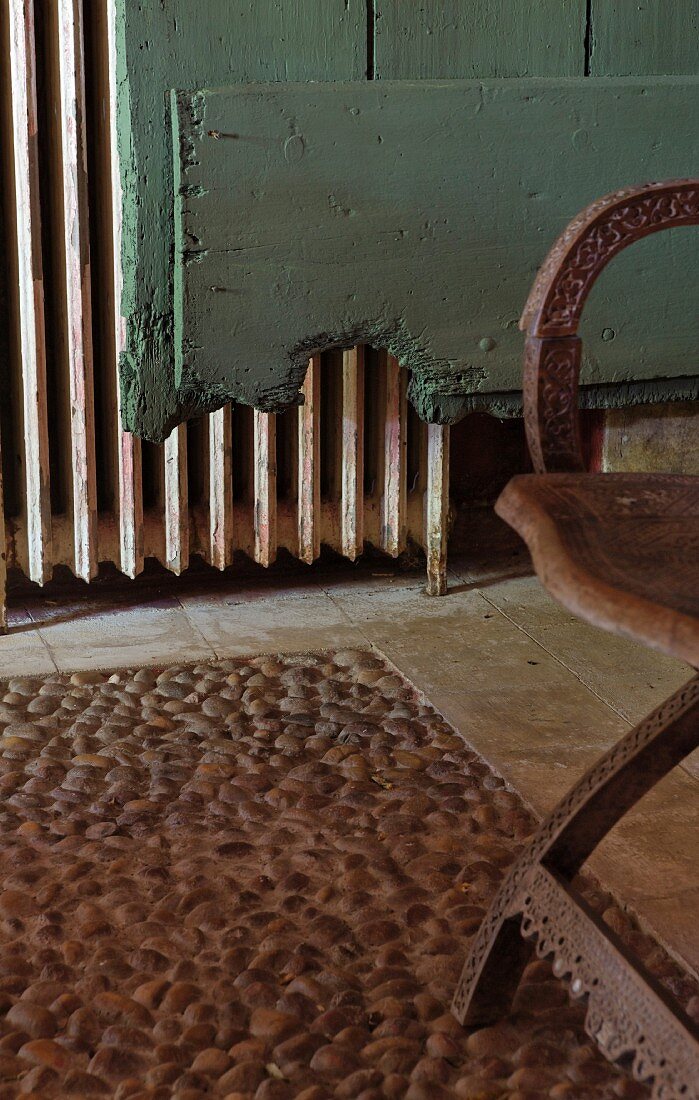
pixel 621 551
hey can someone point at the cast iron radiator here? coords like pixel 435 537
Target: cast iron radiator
pixel 353 465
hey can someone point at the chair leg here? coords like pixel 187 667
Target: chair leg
pixel 557 851
pixel 629 1014
pixel 493 969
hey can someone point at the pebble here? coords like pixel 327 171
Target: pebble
pixel 473 1087
pixel 212 1061
pixel 80 679
pixel 32 1019
pixel 334 1061
pixel 45 1052
pixel 10 1066
pixel 273 1025
pixel 257 879
pixel 16 903
pixel 245 1077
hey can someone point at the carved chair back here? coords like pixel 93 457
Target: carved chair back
pixel 552 313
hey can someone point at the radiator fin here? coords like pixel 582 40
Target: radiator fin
pixel 37 485
pixel 351 466
pixel 352 500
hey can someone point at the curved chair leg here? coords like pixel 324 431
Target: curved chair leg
pixel 494 967
pixel 540 877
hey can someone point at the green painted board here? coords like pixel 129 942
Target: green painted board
pixel 163 44
pixel 655 37
pixel 414 216
pixel 465 39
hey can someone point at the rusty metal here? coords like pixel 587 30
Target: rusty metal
pixel 75 497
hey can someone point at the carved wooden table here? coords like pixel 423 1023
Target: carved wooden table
pixel 622 552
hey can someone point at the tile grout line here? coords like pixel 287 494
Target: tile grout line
pixel 42 639
pixel 350 622
pixel 197 630
pixel 49 651
pixel 558 660
pixel 45 642
pixel 360 629
pixel 573 673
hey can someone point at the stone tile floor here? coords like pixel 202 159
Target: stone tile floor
pixel 538 693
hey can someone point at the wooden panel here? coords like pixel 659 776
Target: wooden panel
pixel 31 288
pixel 352 493
pixel 656 37
pixel 443 39
pixel 129 489
pixel 182 45
pixel 76 251
pixel 430 256
pixel 309 465
pixel 221 488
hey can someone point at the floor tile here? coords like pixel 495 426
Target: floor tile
pixel 628 676
pixel 125 638
pixel 272 625
pixel 457 643
pixel 632 679
pixel 23 652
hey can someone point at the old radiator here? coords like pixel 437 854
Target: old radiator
pixel 354 465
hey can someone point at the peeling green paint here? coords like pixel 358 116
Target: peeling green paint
pixel 161 45
pixel 426 242
pixel 655 392
pixel 176 44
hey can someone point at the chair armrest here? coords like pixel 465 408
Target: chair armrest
pixel 552 313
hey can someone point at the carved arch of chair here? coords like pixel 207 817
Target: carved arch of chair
pixel 552 314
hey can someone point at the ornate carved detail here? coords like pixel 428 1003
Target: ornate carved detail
pixel 679 715
pixel 626 1016
pixel 486 937
pixel 551 370
pixel 592 239
pixel 553 310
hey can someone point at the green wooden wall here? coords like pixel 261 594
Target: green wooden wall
pixel 653 37
pixel 411 215
pixel 166 44
pixel 463 39
pixel 459 39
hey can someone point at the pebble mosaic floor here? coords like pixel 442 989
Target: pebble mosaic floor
pixel 258 879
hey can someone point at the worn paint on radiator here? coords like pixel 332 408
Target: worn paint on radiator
pixel 217 488
pixel 412 215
